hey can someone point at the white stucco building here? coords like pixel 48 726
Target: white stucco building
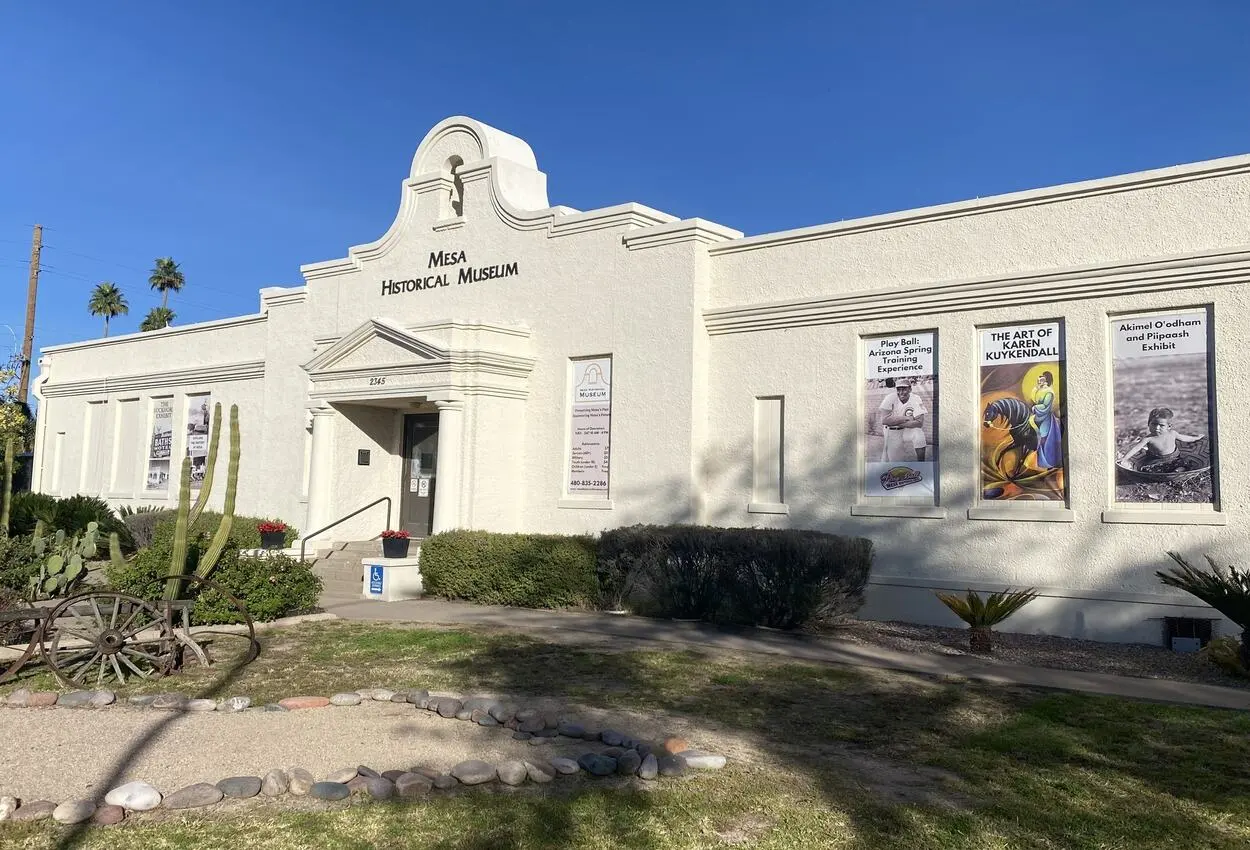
pixel 497 362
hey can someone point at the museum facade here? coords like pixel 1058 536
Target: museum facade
pixel 1022 390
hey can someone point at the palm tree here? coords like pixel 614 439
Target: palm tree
pixel 157 318
pixel 166 278
pixel 107 301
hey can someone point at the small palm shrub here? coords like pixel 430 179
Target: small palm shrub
pixel 1225 652
pixel 1226 589
pixel 982 615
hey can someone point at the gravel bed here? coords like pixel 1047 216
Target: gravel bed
pixel 1125 659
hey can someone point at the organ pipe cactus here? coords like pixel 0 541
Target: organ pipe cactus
pixel 187 514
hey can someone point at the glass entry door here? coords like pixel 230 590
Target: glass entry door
pixel 416 509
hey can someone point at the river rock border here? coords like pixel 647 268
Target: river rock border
pixel 620 755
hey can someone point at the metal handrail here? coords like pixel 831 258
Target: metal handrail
pixel 304 540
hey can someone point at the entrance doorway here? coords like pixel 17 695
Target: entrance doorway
pixel 420 467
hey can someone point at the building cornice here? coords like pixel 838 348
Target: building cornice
pixel 163 333
pixel 1076 283
pixel 688 230
pixel 1225 167
pixel 165 380
pixel 279 296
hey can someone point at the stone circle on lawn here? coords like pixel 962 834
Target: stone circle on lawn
pixel 620 754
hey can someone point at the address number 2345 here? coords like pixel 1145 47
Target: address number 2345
pixel 377 382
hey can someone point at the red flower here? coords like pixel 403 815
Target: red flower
pixel 268 527
pixel 395 534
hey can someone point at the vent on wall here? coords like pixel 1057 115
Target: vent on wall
pixel 1187 634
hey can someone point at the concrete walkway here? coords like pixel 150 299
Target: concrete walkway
pixel 795 646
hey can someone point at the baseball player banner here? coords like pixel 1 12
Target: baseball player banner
pixel 1161 377
pixel 1022 413
pixel 900 407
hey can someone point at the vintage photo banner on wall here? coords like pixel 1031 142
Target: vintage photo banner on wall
pixel 1022 413
pixel 1161 380
pixel 900 407
pixel 590 428
pixel 162 444
pixel 199 419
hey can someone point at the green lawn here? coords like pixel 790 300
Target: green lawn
pixel 834 758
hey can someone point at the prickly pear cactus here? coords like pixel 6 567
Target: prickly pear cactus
pixel 63 560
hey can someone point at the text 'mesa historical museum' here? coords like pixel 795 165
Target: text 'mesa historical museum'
pixel 1024 390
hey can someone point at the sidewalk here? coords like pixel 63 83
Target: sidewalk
pixel 800 647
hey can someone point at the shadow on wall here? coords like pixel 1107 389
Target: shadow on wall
pixel 1084 555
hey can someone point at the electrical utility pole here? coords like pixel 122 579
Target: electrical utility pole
pixel 32 288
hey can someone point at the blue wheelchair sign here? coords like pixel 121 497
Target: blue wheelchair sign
pixel 375 578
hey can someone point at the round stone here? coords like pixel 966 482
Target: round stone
pixel 531 724
pixel 35 810
pixel 392 775
pixel 8 805
pixel 628 763
pixel 383 695
pixel 102 698
pixel 565 766
pixel 699 760
pixel 673 745
pixel 538 774
pixel 234 705
pixel 474 772
pixel 329 791
pixel 539 742
pixel 18 699
pixel 512 772
pixel 173 702
pixel 194 796
pixel 614 752
pixel 366 693
pixel 521 736
pixel 464 714
pixel 650 767
pixel 345 699
pixel 418 697
pixel 597 765
pixel 367 772
pixel 274 783
pixel 297 703
pixel 300 781
pixel 444 782
pixel 546 733
pixel 201 705
pixel 379 788
pixel 528 714
pixel 76 699
pixel 358 786
pixel 672 765
pixel 73 811
pixel 592 734
pixel 571 730
pixel 501 712
pixel 409 785
pixel 343 775
pixel 108 815
pixel 448 707
pixel 141 700
pixel 136 796
pixel 270 706
pixel 611 737
pixel 486 720
pixel 399 696
pixel 428 772
pixel 240 787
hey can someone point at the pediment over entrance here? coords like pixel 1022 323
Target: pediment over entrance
pixel 381 362
pixel 377 343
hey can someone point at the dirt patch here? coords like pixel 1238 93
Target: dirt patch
pixel 906 784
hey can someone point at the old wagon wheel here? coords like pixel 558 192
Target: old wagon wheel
pixel 103 636
pixel 19 638
pixel 191 637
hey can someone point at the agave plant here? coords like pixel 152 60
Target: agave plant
pixel 1226 589
pixel 982 615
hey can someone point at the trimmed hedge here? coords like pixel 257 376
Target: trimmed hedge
pixel 523 570
pixel 781 578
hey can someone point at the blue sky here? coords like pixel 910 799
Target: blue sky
pixel 245 139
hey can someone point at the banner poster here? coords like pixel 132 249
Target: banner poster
pixel 591 427
pixel 161 447
pixel 198 419
pixel 900 412
pixel 1161 377
pixel 1022 413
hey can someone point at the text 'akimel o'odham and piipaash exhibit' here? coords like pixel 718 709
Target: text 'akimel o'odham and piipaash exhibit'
pixel 1022 413
pixel 448 269
pixel 900 406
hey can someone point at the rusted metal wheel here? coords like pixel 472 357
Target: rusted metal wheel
pixel 197 639
pixel 106 637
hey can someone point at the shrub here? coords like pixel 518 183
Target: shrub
pixel 1224 652
pixel 142 525
pixel 526 570
pixel 71 515
pixel 1227 590
pixel 982 615
pixel 18 564
pixel 782 578
pixel 28 508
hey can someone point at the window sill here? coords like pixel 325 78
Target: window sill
pixel 768 508
pixel 1021 514
pixel 1164 517
pixel 908 511
pixel 585 504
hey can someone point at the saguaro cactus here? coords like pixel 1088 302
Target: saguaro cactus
pixel 188 514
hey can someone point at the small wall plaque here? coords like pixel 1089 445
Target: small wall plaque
pixel 362 457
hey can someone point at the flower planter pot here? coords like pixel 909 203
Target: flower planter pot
pixel 273 539
pixel 395 547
